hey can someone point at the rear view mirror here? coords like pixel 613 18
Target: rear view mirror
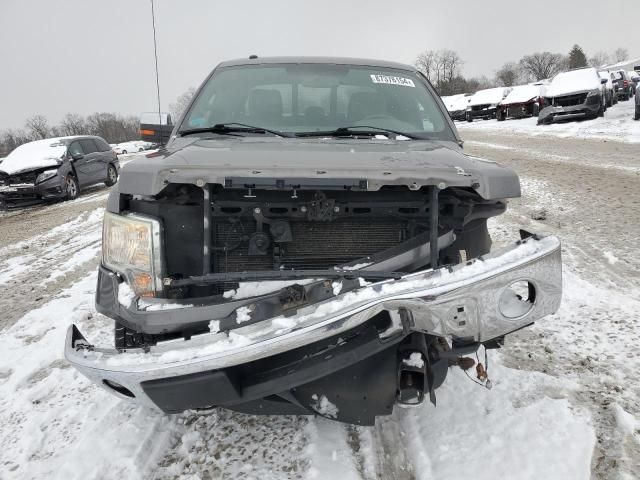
pixel 637 68
pixel 603 81
pixel 156 127
pixel 77 156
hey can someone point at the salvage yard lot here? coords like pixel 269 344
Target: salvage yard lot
pixel 617 124
pixel 565 399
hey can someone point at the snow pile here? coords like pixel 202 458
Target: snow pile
pixel 255 289
pixel 126 295
pixel 324 407
pixel 414 360
pixel 41 153
pixel 611 258
pixel 151 307
pixel 357 266
pixel 243 314
pixel 491 96
pixel 522 94
pixel 574 81
pixel 337 287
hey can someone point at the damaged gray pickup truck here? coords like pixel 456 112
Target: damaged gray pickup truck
pixel 311 240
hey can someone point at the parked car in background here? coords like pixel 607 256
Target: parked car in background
pixel 55 168
pixel 457 106
pixel 522 101
pixel 129 147
pixel 635 80
pixel 636 115
pixel 625 85
pixel 484 103
pixel 578 93
pixel 610 93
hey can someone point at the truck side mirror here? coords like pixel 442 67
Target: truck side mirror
pixel 603 81
pixel 156 127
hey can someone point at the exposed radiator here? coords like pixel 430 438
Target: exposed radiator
pixel 315 245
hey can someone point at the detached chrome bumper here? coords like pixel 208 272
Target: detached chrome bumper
pixel 471 302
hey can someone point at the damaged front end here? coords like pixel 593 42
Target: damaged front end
pixel 30 187
pixel 571 106
pixel 303 297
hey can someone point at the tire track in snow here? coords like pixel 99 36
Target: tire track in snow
pixel 53 422
pixel 33 270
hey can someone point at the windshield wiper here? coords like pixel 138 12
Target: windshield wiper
pixel 356 130
pixel 230 128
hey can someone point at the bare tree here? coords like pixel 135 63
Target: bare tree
pixel 621 54
pixel 440 67
pixel 181 103
pixel 10 139
pixel 113 128
pixel 543 65
pixel 450 63
pixel 508 75
pixel 73 124
pixel 427 64
pixel 599 59
pixel 38 127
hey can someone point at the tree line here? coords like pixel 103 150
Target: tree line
pixel 112 127
pixel 443 68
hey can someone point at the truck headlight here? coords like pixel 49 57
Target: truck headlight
pixel 46 175
pixel 132 246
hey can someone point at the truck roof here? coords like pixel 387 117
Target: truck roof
pixel 318 60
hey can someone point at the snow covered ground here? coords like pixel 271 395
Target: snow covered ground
pixel 55 424
pixel 617 124
pixel 565 402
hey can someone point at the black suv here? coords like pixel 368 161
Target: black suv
pixel 55 168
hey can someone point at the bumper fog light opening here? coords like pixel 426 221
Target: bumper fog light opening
pixel 118 388
pixel 517 299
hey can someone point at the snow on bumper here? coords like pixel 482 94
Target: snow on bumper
pixel 471 301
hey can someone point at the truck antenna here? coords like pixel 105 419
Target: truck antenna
pixel 155 52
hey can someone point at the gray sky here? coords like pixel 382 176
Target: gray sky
pixel 97 55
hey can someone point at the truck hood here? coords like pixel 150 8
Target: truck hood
pixel 316 163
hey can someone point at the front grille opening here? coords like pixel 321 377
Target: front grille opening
pixel 231 209
pixel 570 100
pixel 278 210
pixel 409 210
pixel 361 210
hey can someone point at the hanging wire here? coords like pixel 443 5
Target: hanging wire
pixel 155 52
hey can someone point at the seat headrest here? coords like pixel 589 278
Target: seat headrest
pixel 365 104
pixel 265 103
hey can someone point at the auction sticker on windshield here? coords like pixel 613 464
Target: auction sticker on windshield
pixel 406 82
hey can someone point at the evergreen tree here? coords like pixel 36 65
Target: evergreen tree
pixel 577 58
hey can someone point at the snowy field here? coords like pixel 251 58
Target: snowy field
pixel 566 398
pixel 617 124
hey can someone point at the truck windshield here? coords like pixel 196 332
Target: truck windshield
pixel 305 98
